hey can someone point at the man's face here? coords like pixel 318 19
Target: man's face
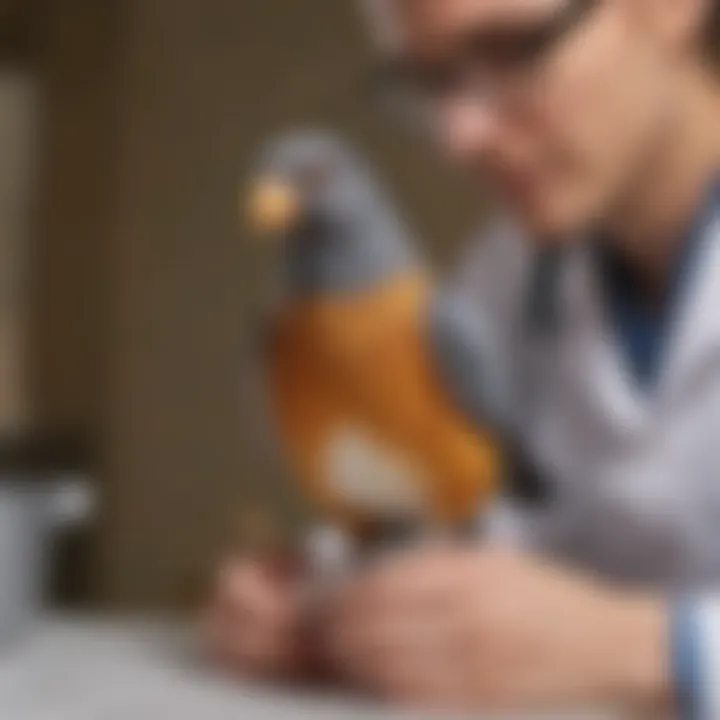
pixel 557 109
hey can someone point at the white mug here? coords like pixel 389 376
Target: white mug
pixel 31 513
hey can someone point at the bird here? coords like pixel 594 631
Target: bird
pixel 359 350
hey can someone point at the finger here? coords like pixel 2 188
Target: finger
pixel 422 679
pixel 438 691
pixel 247 595
pixel 214 645
pixel 424 576
pixel 414 586
pixel 262 653
pixel 438 678
pixel 250 648
pixel 401 652
pixel 409 632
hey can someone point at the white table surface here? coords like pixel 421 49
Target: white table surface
pixel 96 670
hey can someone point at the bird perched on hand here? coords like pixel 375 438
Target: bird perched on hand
pixel 367 367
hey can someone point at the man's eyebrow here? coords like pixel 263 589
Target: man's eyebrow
pixel 517 11
pixel 495 21
pixel 503 14
pixel 494 34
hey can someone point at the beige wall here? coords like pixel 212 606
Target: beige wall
pixel 18 149
pixel 146 155
pixel 79 62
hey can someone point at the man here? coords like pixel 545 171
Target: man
pixel 596 125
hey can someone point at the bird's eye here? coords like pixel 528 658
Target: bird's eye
pixel 316 176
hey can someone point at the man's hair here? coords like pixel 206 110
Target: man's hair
pixel 712 36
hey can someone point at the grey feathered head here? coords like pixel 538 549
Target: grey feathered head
pixel 338 228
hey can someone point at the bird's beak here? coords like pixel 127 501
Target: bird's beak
pixel 273 207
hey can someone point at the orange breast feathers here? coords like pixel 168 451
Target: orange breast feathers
pixel 363 412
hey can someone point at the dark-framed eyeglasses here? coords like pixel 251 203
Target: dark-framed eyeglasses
pixel 485 62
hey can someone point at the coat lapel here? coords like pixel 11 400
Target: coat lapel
pixel 600 376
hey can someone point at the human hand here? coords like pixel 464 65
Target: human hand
pixel 492 630
pixel 254 621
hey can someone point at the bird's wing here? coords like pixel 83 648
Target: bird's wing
pixel 462 354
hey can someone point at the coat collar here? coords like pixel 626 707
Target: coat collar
pixel 543 311
pixel 566 301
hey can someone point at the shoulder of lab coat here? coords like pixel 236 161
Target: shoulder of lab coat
pixel 493 276
pixel 493 272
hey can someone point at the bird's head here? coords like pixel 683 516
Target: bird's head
pixel 314 196
pixel 302 179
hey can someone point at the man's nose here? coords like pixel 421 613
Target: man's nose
pixel 466 129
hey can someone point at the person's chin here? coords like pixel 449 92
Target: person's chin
pixel 550 223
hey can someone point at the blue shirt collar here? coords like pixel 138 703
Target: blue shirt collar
pixel 641 329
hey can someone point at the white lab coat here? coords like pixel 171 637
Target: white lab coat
pixel 635 477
